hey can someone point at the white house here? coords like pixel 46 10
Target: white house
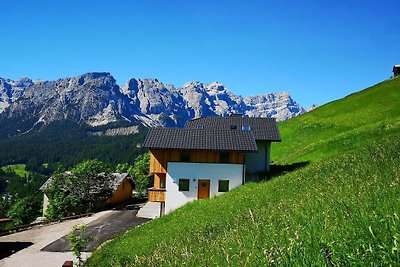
pixel 208 157
pixel 190 181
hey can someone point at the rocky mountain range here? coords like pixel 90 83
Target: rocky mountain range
pixel 95 99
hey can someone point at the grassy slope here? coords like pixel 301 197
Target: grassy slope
pixel 343 208
pixel 341 125
pixel 19 169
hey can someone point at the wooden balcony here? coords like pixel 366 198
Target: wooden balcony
pixel 156 194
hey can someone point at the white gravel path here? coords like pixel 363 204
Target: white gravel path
pixel 41 236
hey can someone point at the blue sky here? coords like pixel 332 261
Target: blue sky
pixel 317 50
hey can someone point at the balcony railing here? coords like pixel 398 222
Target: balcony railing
pixel 156 194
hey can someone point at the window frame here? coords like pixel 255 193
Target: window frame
pixel 246 128
pixel 180 189
pixel 219 185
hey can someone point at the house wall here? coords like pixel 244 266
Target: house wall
pixel 260 161
pixel 160 158
pixel 122 194
pixel 194 172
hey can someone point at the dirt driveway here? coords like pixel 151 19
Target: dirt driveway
pixel 102 229
pixel 103 225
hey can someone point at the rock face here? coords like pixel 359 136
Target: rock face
pixel 275 105
pixel 118 131
pixel 95 99
pixel 166 105
pixel 11 90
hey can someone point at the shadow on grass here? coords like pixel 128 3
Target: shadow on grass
pixel 275 171
pixel 9 248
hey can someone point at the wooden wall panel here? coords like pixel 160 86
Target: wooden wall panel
pixel 159 180
pixel 156 195
pixel 123 193
pixel 204 156
pixel 160 158
pixel 237 158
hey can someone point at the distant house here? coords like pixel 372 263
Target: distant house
pixel 118 182
pixel 396 70
pixel 208 157
pixel 121 187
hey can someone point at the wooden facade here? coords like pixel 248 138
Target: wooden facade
pixel 159 180
pixel 160 158
pixel 156 194
pixel 122 194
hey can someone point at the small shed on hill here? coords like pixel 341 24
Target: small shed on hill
pixel 118 183
pixel 396 70
pixel 121 187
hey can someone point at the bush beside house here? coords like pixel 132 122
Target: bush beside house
pixel 88 187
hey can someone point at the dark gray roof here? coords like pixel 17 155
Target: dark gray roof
pixel 116 179
pixel 48 182
pixel 113 181
pixel 264 129
pixel 200 139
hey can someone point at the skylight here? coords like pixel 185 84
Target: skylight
pixel 246 128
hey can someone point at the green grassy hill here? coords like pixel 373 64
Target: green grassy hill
pixel 341 208
pixel 341 125
pixel 19 169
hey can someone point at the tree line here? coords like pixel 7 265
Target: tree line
pixel 68 144
pixel 21 200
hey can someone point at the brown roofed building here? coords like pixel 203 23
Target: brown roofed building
pixel 208 157
pixel 263 130
pixel 118 183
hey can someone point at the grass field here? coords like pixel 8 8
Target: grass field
pixel 341 125
pixel 19 169
pixel 341 208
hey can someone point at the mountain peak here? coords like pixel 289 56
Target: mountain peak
pixel 94 98
pixel 95 75
pixel 217 86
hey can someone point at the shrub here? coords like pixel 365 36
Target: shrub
pixel 77 241
pixel 24 211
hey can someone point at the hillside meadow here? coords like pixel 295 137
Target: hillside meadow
pixel 19 169
pixel 341 125
pixel 341 206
